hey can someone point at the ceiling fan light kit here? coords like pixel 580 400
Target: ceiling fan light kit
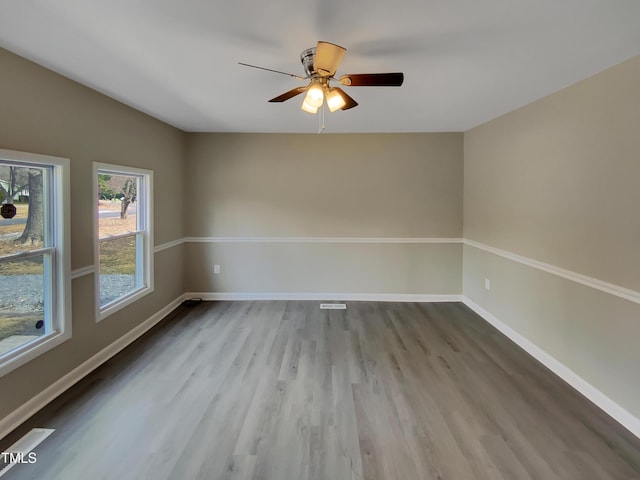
pixel 315 96
pixel 308 108
pixel 320 64
pixel 334 100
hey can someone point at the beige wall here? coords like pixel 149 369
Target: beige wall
pixel 42 112
pixel 266 185
pixel 319 268
pixel 558 181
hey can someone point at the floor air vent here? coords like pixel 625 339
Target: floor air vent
pixel 19 451
pixel 333 306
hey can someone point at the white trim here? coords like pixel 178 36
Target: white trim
pixel 322 240
pixel 82 271
pixel 28 157
pixel 606 287
pixel 113 169
pixel 25 353
pixel 356 297
pixel 165 246
pixel 89 269
pixel 121 302
pixel 15 257
pixel 60 228
pixel 601 285
pixel 622 416
pixel 120 236
pixel 144 256
pixel 33 405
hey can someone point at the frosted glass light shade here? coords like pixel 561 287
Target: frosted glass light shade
pixel 308 108
pixel 335 100
pixel 314 97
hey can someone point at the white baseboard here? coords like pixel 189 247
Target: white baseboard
pixel 32 406
pixel 622 416
pixel 355 297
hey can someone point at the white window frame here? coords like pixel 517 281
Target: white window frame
pixel 144 242
pixel 59 266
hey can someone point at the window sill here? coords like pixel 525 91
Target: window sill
pixel 30 350
pixel 122 302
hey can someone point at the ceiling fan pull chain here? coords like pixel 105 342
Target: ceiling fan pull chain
pixel 321 120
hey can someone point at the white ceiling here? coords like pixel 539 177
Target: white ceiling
pixel 465 61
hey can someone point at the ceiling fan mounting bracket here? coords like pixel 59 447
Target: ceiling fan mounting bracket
pixel 307 57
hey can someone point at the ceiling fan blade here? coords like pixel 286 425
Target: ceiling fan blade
pixel 290 94
pixel 372 79
pixel 271 70
pixel 349 102
pixel 328 57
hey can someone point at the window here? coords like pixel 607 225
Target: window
pixel 124 236
pixel 35 276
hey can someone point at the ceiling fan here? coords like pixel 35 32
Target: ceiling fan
pixel 320 65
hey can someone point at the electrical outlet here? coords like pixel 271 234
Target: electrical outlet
pixel 216 269
pixel 487 284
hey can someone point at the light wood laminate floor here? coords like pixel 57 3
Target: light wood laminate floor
pixel 285 391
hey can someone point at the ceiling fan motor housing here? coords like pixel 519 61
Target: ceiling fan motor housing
pixel 306 57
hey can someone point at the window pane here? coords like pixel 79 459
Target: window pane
pixel 22 301
pixel 117 268
pixel 117 205
pixel 22 187
pixel 123 236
